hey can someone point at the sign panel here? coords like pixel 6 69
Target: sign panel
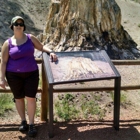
pixel 84 65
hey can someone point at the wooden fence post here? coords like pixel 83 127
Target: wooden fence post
pixel 44 96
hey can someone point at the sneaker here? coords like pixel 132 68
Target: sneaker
pixel 24 126
pixel 32 130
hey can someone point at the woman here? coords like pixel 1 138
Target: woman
pixel 19 67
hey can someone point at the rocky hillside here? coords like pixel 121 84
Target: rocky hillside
pixel 130 10
pixel 33 11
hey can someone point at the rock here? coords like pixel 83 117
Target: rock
pixel 71 26
pixel 34 20
pixel 138 47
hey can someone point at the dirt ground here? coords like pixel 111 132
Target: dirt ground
pixel 81 130
pixel 94 129
pixel 131 18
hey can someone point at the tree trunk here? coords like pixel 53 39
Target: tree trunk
pixel 76 25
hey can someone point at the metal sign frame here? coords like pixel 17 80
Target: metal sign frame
pixel 94 56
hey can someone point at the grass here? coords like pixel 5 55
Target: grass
pixel 70 107
pixel 38 107
pixel 6 103
pixel 123 97
pixel 65 108
pixel 137 0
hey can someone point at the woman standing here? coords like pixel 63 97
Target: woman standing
pixel 19 67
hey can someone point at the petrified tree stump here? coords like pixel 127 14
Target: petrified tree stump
pixel 75 25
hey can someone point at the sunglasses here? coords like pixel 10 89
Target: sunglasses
pixel 20 24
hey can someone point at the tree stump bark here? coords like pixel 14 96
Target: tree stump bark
pixel 76 25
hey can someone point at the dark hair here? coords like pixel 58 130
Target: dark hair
pixel 11 26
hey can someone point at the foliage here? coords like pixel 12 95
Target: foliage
pixel 123 97
pixel 65 108
pixel 6 103
pixel 38 107
pixel 136 0
pixel 69 108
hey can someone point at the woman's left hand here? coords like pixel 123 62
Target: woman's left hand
pixel 53 57
pixel 3 83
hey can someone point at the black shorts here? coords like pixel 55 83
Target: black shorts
pixel 23 84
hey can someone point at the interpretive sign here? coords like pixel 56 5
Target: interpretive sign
pixel 83 66
pixel 80 66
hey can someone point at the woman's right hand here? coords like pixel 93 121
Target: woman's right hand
pixel 3 83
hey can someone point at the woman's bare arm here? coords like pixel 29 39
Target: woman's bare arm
pixel 4 59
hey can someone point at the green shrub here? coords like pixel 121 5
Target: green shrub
pixel 38 107
pixel 70 107
pixel 123 97
pixel 65 108
pixel 6 103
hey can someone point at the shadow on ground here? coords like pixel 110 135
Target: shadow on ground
pixel 75 131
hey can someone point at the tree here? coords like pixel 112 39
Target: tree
pixel 75 25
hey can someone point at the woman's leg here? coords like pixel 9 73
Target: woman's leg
pixel 30 88
pixel 20 105
pixel 31 108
